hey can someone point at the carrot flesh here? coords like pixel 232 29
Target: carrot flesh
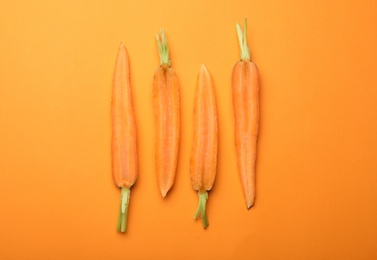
pixel 245 90
pixel 166 106
pixel 123 138
pixel 203 162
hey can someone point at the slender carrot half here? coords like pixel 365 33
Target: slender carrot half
pixel 123 140
pixel 245 88
pixel 203 161
pixel 167 118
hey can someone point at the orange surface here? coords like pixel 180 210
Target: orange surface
pixel 316 166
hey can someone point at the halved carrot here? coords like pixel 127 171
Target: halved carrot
pixel 203 161
pixel 245 88
pixel 123 139
pixel 167 118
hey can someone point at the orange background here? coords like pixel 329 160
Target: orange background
pixel 316 168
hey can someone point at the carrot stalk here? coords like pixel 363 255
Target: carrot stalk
pixel 163 49
pixel 167 118
pixel 203 160
pixel 242 39
pixel 245 90
pixel 123 209
pixel 201 210
pixel 123 138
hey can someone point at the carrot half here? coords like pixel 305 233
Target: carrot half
pixel 245 89
pixel 123 139
pixel 167 118
pixel 203 161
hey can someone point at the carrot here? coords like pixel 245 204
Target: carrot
pixel 167 118
pixel 245 88
pixel 204 151
pixel 123 140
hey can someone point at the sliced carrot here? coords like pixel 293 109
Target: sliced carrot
pixel 123 139
pixel 167 118
pixel 203 161
pixel 245 88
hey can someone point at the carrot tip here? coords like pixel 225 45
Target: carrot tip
pixel 201 210
pixel 121 46
pixel 123 209
pixel 163 193
pixel 249 203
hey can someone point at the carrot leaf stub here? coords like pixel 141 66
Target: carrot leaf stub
pixel 242 39
pixel 163 49
pixel 123 209
pixel 201 210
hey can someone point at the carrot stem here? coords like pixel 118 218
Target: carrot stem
pixel 201 210
pixel 242 39
pixel 123 209
pixel 163 48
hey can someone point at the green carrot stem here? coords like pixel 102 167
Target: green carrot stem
pixel 242 39
pixel 163 49
pixel 123 209
pixel 201 210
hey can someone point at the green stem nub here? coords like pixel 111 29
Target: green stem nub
pixel 245 51
pixel 123 210
pixel 163 48
pixel 201 210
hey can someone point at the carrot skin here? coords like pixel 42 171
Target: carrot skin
pixel 245 88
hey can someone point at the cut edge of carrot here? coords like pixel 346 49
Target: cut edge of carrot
pixel 123 209
pixel 242 39
pixel 201 210
pixel 163 49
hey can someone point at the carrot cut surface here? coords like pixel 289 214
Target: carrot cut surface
pixel 203 163
pixel 123 138
pixel 167 118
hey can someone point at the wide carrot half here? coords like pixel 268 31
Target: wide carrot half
pixel 167 118
pixel 123 139
pixel 203 161
pixel 245 88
